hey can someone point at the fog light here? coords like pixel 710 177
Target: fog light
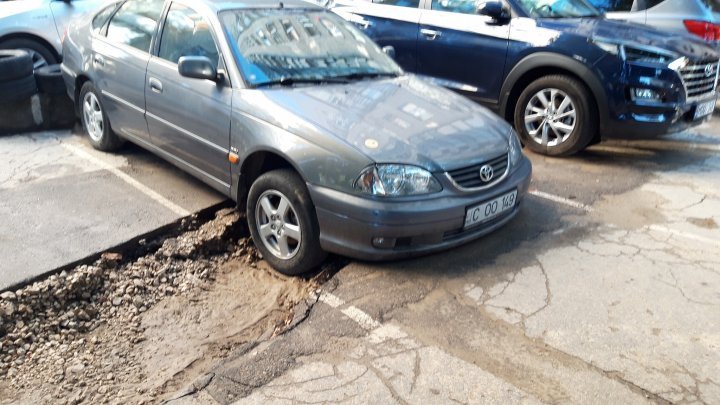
pixel 383 243
pixel 644 94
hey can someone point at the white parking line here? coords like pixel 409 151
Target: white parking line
pixel 561 200
pixel 76 150
pixel 686 235
pixel 364 320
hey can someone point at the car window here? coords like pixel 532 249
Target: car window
pixel 456 6
pixel 186 33
pixel 100 18
pixel 135 22
pixel 399 3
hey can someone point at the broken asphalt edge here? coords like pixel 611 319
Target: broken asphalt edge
pixel 124 248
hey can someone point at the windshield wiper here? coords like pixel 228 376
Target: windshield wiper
pixel 367 75
pixel 291 81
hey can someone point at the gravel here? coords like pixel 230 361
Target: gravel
pixel 45 327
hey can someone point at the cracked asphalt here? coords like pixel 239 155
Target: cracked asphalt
pixel 605 289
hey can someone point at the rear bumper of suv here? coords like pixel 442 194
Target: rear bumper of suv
pixel 354 226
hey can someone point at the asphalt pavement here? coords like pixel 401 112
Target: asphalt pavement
pixel 603 290
pixel 61 200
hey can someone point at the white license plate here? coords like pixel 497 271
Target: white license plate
pixel 489 209
pixel 704 109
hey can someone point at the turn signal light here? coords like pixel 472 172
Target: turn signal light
pixel 703 29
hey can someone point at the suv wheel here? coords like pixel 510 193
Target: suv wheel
pixel 556 116
pixel 282 222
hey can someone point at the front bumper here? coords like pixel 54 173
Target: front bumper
pixel 349 223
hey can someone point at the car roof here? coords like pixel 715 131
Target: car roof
pixel 220 5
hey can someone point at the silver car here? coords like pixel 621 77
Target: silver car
pixel 300 118
pixel 37 26
pixel 679 16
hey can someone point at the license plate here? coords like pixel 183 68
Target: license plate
pixel 704 109
pixel 489 209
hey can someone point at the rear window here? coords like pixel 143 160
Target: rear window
pixel 713 4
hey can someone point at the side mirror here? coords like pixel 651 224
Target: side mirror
pixel 495 10
pixel 389 51
pixel 197 67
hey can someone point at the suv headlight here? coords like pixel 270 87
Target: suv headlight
pixel 514 149
pixel 393 180
pixel 636 53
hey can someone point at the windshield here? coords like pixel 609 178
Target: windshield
pixel 297 46
pixel 558 8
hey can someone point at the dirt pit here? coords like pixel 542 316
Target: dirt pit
pixel 146 330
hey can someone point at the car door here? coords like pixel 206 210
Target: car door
pixel 461 49
pixel 189 118
pixel 119 57
pixel 389 22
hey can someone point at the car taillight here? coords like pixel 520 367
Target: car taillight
pixel 703 29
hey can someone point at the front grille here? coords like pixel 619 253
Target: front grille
pixel 469 177
pixel 696 80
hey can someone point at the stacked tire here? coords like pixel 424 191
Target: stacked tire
pixel 17 80
pixel 32 100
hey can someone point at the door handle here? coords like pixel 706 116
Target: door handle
pixel 359 21
pixel 430 34
pixel 155 85
pixel 99 60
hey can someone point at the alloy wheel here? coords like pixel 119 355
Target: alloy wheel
pixel 93 117
pixel 37 59
pixel 550 117
pixel 278 225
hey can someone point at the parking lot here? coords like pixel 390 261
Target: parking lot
pixel 603 289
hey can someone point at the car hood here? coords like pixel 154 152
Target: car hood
pixel 683 45
pixel 403 120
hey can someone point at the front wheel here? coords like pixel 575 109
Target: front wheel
pixel 283 223
pixel 556 115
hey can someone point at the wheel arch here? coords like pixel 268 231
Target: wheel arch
pixel 32 37
pixel 542 64
pixel 256 164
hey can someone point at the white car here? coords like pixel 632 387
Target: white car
pixel 37 26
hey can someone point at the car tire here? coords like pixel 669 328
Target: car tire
pixel 49 80
pixel 301 249
pixel 16 90
pixel 14 65
pixel 556 116
pixel 95 121
pixel 40 55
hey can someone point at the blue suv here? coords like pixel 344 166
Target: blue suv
pixel 562 73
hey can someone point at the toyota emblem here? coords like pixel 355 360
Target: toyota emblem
pixel 709 70
pixel 486 173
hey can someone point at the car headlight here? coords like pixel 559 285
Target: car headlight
pixel 514 149
pixel 636 53
pixel 393 180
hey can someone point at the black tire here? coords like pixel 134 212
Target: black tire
pixel 17 90
pixel 104 139
pixel 584 123
pixel 49 80
pixel 14 65
pixel 308 253
pixel 39 53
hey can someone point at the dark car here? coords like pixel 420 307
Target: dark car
pixel 561 72
pixel 300 118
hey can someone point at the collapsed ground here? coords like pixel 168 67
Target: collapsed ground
pixel 143 329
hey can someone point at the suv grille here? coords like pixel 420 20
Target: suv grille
pixel 469 177
pixel 696 80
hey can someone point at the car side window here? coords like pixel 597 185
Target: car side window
pixel 135 22
pixel 186 33
pixel 101 18
pixel 456 6
pixel 614 5
pixel 399 3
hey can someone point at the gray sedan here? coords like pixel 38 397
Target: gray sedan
pixel 301 119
